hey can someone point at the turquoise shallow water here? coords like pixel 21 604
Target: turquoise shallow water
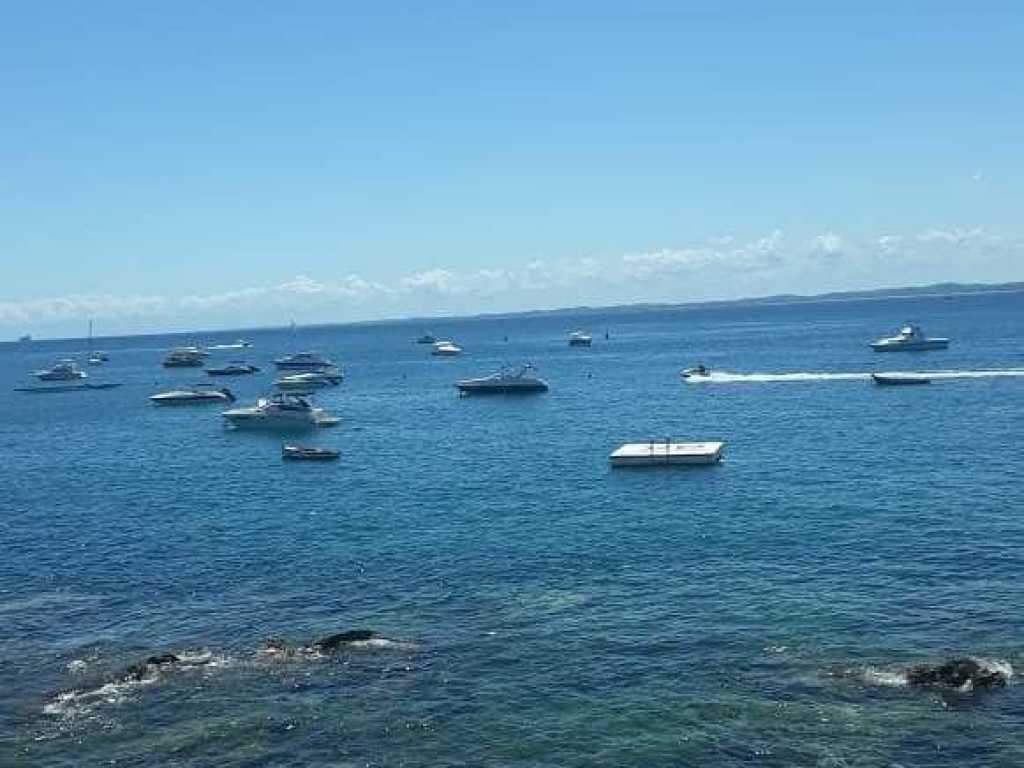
pixel 545 609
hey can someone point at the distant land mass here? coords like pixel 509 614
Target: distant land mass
pixel 874 294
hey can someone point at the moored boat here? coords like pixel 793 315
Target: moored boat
pixel 278 412
pixel 303 361
pixel 64 370
pixel 507 381
pixel 308 453
pixel 580 339
pixel 446 349
pixel 184 357
pixel 237 368
pixel 193 396
pixel 911 338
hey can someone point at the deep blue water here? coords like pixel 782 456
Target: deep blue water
pixel 547 609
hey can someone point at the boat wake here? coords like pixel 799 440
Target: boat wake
pixel 725 377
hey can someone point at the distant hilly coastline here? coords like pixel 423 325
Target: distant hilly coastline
pixel 875 294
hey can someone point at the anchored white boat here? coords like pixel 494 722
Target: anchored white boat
pixel 240 344
pixel 580 339
pixel 193 396
pixel 63 370
pixel 303 361
pixel 282 412
pixel 446 349
pixel 506 381
pixel 185 357
pixel 910 339
pixel 665 452
pixel 304 382
pixel 308 453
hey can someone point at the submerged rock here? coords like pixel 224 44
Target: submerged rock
pixel 965 674
pixel 139 671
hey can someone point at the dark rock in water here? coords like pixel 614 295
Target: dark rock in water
pixel 956 673
pixel 332 642
pixel 137 672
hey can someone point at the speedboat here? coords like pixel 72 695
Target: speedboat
pixel 304 382
pixel 98 358
pixel 64 370
pixel 697 372
pixel 184 357
pixel 506 381
pixel 899 379
pixel 283 411
pixel 236 368
pixel 910 338
pixel 303 361
pixel 426 338
pixel 240 344
pixel 192 396
pixel 580 339
pixel 446 349
pixel 308 453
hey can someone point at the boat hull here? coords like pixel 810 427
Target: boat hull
pixel 899 381
pixel 655 454
pixel 912 346
pixel 501 389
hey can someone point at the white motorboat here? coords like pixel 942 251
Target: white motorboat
pixel 240 344
pixel 658 453
pixel 193 396
pixel 697 372
pixel 506 381
pixel 281 412
pixel 910 339
pixel 304 382
pixel 580 339
pixel 303 361
pixel 446 349
pixel 185 357
pixel 308 453
pixel 95 357
pixel 63 370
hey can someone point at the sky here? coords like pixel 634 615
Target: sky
pixel 228 164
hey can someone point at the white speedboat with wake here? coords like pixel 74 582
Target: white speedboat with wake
pixel 507 381
pixel 910 339
pixel 697 372
pixel 279 412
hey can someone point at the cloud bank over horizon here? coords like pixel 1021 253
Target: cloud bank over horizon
pixel 724 267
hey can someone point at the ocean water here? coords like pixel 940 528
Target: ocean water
pixel 539 608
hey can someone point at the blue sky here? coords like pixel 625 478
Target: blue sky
pixel 228 164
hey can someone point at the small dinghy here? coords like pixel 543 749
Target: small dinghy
pixel 899 379
pixel 307 453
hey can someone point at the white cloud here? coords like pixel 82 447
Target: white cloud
pixel 955 235
pixel 828 244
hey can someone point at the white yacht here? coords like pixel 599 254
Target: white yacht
pixel 446 349
pixel 303 361
pixel 505 381
pixel 304 382
pixel 184 357
pixel 192 396
pixel 580 339
pixel 283 411
pixel 910 338
pixel 64 370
